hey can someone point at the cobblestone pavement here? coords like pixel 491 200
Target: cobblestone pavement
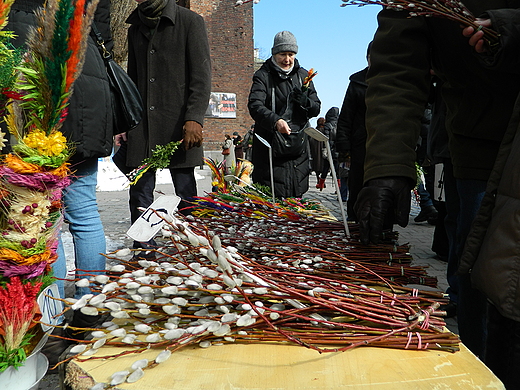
pixel 113 208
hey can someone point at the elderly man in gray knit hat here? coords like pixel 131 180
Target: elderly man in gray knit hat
pixel 281 106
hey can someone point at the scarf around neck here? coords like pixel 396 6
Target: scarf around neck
pixel 150 12
pixel 283 71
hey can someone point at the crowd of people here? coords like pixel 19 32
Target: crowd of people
pixel 373 139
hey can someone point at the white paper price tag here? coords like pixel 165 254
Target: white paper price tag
pixel 50 307
pixel 149 223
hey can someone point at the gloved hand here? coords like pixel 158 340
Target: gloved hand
pixel 378 198
pixel 300 97
pixel 192 134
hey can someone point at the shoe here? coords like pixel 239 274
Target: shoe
pixel 450 308
pixel 80 320
pixel 321 184
pixel 144 255
pixel 426 213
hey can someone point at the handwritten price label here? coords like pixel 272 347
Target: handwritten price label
pixel 149 223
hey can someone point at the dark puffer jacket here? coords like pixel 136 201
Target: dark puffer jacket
pixel 291 175
pixel 89 121
pixel 492 252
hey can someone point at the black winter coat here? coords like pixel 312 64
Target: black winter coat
pixel 492 252
pixel 352 135
pixel 291 175
pixel 331 126
pixel 172 69
pixel 88 125
pixel 479 100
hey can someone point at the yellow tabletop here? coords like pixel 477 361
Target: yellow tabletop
pixel 279 366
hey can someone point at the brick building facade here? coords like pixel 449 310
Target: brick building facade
pixel 230 32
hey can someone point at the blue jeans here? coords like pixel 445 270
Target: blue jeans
pixel 343 189
pixel 463 198
pixel 424 196
pixel 81 212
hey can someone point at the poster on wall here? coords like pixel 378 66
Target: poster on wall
pixel 222 105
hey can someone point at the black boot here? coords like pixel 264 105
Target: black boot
pixel 426 213
pixel 80 320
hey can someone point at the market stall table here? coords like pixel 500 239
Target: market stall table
pixel 278 366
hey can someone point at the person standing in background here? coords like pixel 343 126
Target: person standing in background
pixel 351 135
pixel 281 103
pixel 169 60
pixel 329 129
pixel 248 143
pixel 228 151
pixel 315 148
pixel 239 147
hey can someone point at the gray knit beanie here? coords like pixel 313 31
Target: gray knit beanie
pixel 284 41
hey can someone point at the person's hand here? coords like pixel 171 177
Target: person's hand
pixel 119 138
pixel 378 198
pixel 476 37
pixel 300 97
pixel 282 127
pixel 192 134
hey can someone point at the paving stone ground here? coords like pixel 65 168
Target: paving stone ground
pixel 113 208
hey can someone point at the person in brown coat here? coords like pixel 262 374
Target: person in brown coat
pixel 169 60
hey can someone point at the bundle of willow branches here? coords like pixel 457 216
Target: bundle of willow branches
pixel 447 9
pixel 296 229
pixel 199 291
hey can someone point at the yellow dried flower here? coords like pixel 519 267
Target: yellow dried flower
pixel 57 143
pixel 53 145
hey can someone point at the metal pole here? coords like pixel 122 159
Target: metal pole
pixel 319 136
pixel 270 163
pixel 335 178
pixel 272 173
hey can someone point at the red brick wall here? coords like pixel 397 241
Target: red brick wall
pixel 230 32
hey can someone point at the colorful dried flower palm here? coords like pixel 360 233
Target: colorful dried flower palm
pixel 35 95
pixel 17 310
pixel 239 174
pixel 33 176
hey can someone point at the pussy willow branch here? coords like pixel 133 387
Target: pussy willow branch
pixel 447 9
